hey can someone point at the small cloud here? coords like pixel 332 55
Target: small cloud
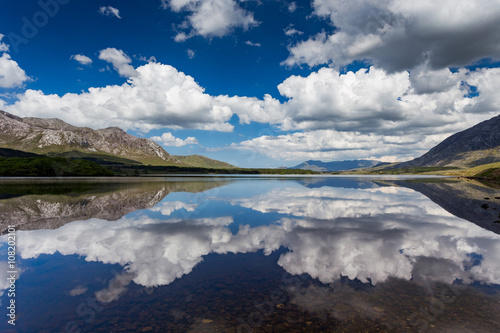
pixel 190 53
pixel 3 47
pixel 252 44
pixel 110 11
pixel 150 59
pixel 167 139
pixel 292 7
pixel 291 31
pixel 182 37
pixel 77 291
pixel 82 59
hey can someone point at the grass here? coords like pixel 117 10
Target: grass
pixel 50 167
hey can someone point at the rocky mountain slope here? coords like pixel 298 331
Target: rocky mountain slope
pixel 335 165
pixel 477 145
pixel 43 136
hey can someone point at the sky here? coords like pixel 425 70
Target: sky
pixel 257 83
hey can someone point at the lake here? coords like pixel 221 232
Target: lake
pixel 250 254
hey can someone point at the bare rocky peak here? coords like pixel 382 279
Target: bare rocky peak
pixel 39 135
pixel 50 124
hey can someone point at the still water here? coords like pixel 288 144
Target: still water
pixel 251 254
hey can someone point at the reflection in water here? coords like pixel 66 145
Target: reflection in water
pixel 360 258
pixel 473 202
pixel 51 205
pixel 366 234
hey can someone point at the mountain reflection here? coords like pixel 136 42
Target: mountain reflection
pixel 471 201
pixel 372 234
pixel 29 206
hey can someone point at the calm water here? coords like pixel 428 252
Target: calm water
pixel 252 254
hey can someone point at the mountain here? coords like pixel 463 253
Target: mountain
pixel 203 162
pixel 477 145
pixel 335 165
pixel 54 136
pixel 26 137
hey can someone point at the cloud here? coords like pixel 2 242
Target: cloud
pixel 210 18
pixel 154 96
pixel 78 290
pixel 11 75
pixel 150 59
pixel 334 145
pixel 120 61
pixel 291 31
pixel 109 11
pixel 375 101
pixel 167 139
pixel 82 59
pixel 190 53
pixel 369 113
pixel 250 43
pixel 399 35
pixel 292 7
pixel 3 47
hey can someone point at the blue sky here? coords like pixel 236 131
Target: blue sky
pixel 257 83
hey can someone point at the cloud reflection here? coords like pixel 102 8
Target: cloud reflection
pixel 367 234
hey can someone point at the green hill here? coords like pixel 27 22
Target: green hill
pixel 203 162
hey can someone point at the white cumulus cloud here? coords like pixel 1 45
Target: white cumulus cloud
pixel 156 96
pixel 11 75
pixel 399 35
pixel 210 18
pixel 120 61
pixel 334 145
pixel 167 139
pixel 109 11
pixel 82 59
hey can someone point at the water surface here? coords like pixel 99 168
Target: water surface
pixel 252 254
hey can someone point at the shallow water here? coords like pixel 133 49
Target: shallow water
pixel 252 254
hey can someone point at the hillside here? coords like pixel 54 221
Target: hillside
pixel 203 162
pixel 54 136
pixel 335 165
pixel 50 167
pixel 477 145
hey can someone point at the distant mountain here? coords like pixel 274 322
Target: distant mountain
pixel 22 137
pixel 335 165
pixel 203 162
pixel 477 145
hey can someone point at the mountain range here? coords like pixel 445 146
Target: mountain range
pixel 336 165
pixel 54 137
